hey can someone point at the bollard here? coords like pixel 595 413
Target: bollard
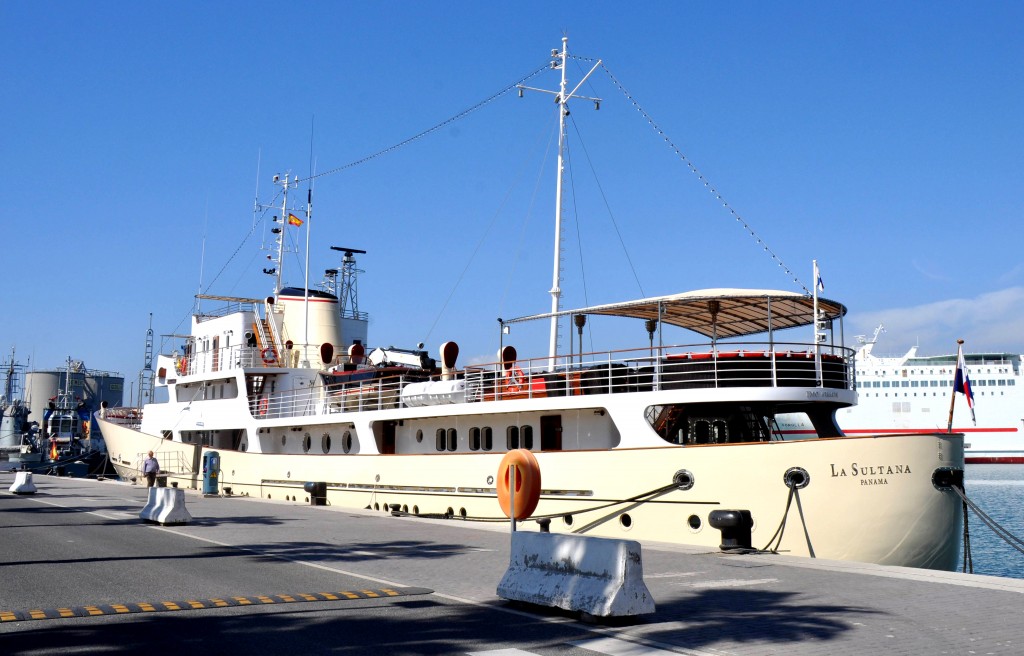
pixel 317 491
pixel 735 526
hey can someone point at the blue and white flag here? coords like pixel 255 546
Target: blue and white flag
pixel 962 383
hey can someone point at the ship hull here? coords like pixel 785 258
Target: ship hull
pixel 867 499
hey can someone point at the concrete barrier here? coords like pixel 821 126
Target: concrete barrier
pixel 597 576
pixel 166 505
pixel 23 483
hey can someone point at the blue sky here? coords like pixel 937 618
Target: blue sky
pixel 883 139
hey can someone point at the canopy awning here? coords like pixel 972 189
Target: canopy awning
pixel 717 312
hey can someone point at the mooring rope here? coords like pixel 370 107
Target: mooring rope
pixel 794 492
pixel 1010 539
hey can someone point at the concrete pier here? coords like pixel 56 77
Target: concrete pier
pixel 286 577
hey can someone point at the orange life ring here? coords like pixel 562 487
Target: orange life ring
pixel 264 404
pixel 269 356
pixel 514 379
pixel 527 483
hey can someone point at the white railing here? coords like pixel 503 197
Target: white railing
pixel 692 366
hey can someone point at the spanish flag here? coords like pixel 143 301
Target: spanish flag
pixel 294 220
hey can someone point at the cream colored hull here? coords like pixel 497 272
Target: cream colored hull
pixel 868 499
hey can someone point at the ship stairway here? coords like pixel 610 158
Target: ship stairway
pixel 667 418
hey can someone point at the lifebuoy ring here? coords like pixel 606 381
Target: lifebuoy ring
pixel 514 379
pixel 264 404
pixel 527 473
pixel 269 356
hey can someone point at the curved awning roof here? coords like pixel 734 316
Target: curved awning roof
pixel 717 312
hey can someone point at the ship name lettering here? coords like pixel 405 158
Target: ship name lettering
pixel 874 481
pixel 869 470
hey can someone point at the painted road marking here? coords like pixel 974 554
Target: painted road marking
pixel 200 604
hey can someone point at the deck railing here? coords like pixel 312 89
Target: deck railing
pixel 641 370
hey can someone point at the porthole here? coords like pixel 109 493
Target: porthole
pixel 405 509
pixel 415 510
pixel 376 506
pixel 625 521
pixel 419 435
pixel 325 443
pixel 284 440
pixel 462 513
pixel 439 439
pixel 307 442
pixel 567 519
pixel 346 442
pixel 693 521
pixel 526 437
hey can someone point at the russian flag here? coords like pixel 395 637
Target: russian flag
pixel 962 383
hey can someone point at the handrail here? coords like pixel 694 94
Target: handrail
pixel 623 371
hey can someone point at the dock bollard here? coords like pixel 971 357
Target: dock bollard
pixel 317 491
pixel 735 526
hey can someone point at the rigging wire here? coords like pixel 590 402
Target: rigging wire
pixel 464 113
pixel 700 176
pixel 476 249
pixel 608 206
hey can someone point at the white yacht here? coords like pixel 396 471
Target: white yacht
pixel 645 443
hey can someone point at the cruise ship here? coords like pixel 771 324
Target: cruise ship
pixel 911 394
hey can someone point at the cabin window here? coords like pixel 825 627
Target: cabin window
pixel 284 440
pixel 487 439
pixel 439 439
pixel 346 442
pixel 512 437
pixel 325 443
pixel 474 439
pixel 526 437
pixel 453 439
pixel 419 435
pixel 307 442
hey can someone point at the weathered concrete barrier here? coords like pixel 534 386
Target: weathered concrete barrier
pixel 599 576
pixel 166 505
pixel 23 483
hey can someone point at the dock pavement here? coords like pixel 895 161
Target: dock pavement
pixel 80 573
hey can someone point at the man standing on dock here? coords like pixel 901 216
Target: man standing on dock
pixel 150 468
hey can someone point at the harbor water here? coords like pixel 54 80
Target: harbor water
pixel 999 491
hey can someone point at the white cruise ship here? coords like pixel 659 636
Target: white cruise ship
pixel 911 394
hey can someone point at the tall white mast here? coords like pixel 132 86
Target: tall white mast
pixel 562 99
pixel 284 224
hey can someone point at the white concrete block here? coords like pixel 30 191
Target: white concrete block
pixel 23 483
pixel 599 576
pixel 166 505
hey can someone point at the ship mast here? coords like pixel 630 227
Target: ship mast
pixel 562 98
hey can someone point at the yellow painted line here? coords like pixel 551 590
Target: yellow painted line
pixel 155 607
